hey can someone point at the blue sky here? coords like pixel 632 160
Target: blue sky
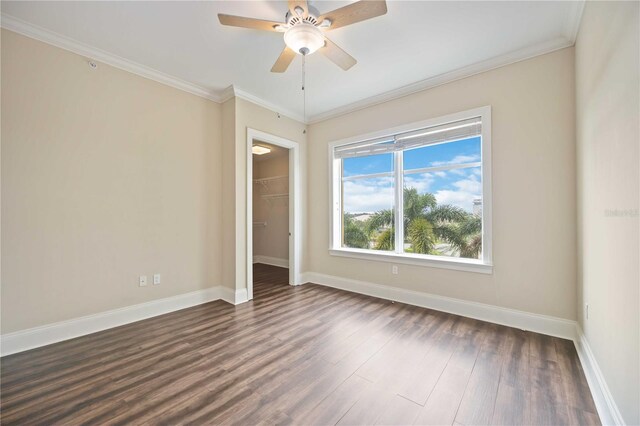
pixel 458 187
pixel 414 158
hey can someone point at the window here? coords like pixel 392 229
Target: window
pixel 419 195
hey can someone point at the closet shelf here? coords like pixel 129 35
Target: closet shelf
pixel 265 182
pixel 272 196
pixel 268 179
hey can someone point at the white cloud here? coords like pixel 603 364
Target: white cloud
pixel 469 185
pixel 422 182
pixel 371 195
pixel 467 190
pixel 458 159
pixel 368 195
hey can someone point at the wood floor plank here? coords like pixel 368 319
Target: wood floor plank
pixel 332 408
pixel 389 358
pixel 443 403
pixel 399 411
pixel 368 408
pixel 299 355
pixel 548 404
pixel 542 347
pixel 478 402
pixel 512 405
pixel 428 371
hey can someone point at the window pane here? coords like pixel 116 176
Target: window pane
pixel 367 165
pixel 367 219
pixel 443 213
pixel 458 152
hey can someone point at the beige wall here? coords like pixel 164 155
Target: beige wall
pixel 105 176
pixel 228 193
pixel 608 140
pixel 271 240
pixel 533 149
pixel 249 115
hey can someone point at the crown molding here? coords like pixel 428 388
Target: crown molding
pixel 33 31
pixel 227 94
pixel 574 18
pixel 572 26
pixel 234 91
pixel 570 33
pixel 460 73
pixel 38 33
pixel 239 93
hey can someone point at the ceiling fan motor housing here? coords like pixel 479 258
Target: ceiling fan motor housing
pixel 303 35
pixel 295 18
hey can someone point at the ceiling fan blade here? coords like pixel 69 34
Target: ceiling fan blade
pixel 241 21
pixel 337 55
pixel 298 3
pixel 284 60
pixel 355 12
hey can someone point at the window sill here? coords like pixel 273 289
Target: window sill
pixel 467 265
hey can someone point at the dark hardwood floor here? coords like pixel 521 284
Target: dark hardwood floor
pixel 300 355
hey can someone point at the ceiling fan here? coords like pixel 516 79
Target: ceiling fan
pixel 304 29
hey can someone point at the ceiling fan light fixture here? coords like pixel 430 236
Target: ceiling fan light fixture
pixel 260 150
pixel 304 38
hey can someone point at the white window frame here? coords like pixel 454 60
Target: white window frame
pixel 484 265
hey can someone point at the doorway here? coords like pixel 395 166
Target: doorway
pixel 273 215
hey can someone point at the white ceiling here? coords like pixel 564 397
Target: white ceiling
pixel 415 45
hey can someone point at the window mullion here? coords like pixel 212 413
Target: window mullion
pixel 399 202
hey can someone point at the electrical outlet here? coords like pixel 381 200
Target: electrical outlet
pixel 143 280
pixel 156 279
pixel 586 310
pixel 394 269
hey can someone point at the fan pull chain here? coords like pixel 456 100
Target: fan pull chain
pixel 304 92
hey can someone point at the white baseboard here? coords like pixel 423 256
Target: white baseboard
pixel 551 326
pixel 52 333
pixel 274 261
pixel 234 297
pixel 605 404
pixel 242 296
pixel 227 295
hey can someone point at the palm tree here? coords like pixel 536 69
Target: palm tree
pixel 420 233
pixel 380 219
pixel 354 233
pixel 380 228
pixel 385 240
pixel 415 204
pixel 465 236
pixel 427 223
